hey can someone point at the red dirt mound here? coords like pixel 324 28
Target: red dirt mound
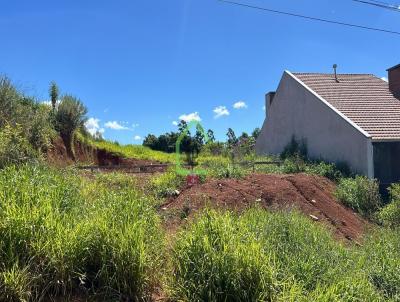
pixel 312 195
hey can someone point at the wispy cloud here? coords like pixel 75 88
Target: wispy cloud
pixel 220 111
pixel 385 79
pixel 194 116
pixel 137 137
pixel 92 126
pixel 115 125
pixel 175 123
pixel 240 105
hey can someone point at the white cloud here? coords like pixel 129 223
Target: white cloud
pixel 240 105
pixel 137 138
pixel 263 107
pixel 115 125
pixel 194 116
pixel 135 125
pixel 92 126
pixel 175 123
pixel 385 79
pixel 220 111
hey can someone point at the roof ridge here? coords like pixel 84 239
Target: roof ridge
pixel 327 73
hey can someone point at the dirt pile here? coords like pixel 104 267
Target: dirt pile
pixel 312 195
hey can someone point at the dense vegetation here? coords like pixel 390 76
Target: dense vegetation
pixel 262 256
pixel 66 233
pixel 63 234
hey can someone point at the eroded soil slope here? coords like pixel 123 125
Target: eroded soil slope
pixel 86 154
pixel 312 195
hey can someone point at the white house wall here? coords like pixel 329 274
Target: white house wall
pixel 297 111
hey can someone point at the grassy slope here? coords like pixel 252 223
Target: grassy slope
pixel 130 151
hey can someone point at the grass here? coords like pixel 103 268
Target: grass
pixel 62 235
pixel 131 151
pixel 264 256
pixel 100 237
pixel 361 194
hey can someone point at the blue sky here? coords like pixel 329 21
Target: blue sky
pixel 140 65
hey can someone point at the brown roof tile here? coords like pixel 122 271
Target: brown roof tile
pixel 363 98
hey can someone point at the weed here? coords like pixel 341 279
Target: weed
pixel 361 194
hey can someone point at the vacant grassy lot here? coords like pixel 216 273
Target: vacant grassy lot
pixel 100 237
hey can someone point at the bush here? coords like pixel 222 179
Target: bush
pixel 390 214
pixel 14 147
pixel 295 149
pixel 214 149
pixel 360 193
pixel 295 164
pixel 324 169
pixel 70 116
pixel 30 119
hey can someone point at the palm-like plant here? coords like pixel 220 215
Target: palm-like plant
pixel 70 115
pixel 53 91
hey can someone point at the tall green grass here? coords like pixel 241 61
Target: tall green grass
pixel 262 256
pixel 61 235
pixel 133 151
pixel 361 194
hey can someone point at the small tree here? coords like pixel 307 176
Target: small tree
pixel 53 91
pixel 70 115
pixel 256 133
pixel 211 136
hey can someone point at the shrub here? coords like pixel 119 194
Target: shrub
pixel 14 147
pixel 359 193
pixel 70 116
pixel 214 149
pixel 21 112
pixel 295 164
pixel 390 214
pixel 324 169
pixel 295 149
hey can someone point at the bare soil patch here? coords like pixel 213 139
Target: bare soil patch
pixel 57 155
pixel 312 195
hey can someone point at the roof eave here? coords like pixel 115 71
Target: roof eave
pixel 394 67
pixel 385 140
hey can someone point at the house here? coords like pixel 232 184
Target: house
pixel 351 118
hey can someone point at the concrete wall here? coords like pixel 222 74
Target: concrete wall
pixel 297 111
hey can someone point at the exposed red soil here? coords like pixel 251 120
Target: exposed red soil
pixel 312 195
pixel 57 155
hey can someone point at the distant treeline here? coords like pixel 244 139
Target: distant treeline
pixel 197 142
